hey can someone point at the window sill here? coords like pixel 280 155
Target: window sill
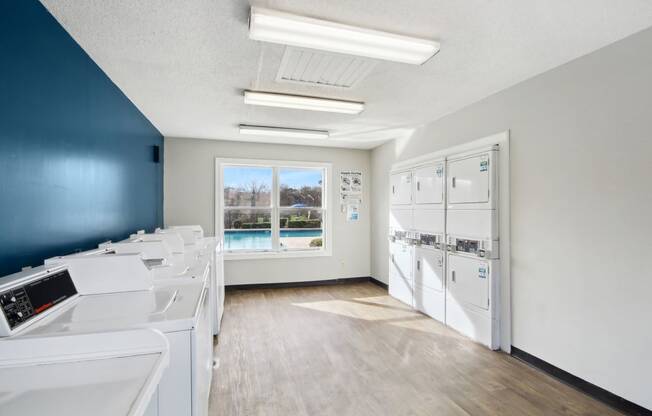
pixel 268 255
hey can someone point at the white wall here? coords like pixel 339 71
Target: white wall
pixel 581 205
pixel 190 199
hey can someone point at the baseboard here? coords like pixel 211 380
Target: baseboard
pixel 378 283
pixel 328 282
pixel 584 386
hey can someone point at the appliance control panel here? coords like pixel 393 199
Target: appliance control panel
pixel 468 246
pixel 478 248
pixel 25 302
pixel 397 235
pixel 430 240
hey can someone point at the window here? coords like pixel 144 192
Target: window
pixel 272 208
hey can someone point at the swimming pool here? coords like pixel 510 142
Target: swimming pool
pixel 262 239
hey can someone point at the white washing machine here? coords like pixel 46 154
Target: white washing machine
pixel 173 239
pixel 211 248
pixel 99 373
pixel 178 308
pixel 190 233
pixel 111 272
pixel 167 250
pixel 104 374
pixel 186 248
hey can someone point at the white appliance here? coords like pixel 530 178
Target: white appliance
pixel 401 271
pixel 429 277
pixel 102 271
pixel 401 212
pixel 168 262
pixel 401 184
pixel 193 237
pixel 444 241
pixel 417 218
pixel 190 233
pixel 429 198
pixel 156 251
pixel 219 278
pixel 472 195
pixel 176 307
pixel 103 374
pixel 472 299
pixel 172 239
pixel 429 221
pixel 473 278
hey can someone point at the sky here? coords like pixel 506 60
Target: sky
pixel 235 176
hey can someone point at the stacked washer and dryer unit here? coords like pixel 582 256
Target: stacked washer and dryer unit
pixel 444 241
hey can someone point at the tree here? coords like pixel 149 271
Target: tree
pixel 306 195
pixel 255 189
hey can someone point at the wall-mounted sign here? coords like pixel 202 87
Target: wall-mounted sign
pixel 351 194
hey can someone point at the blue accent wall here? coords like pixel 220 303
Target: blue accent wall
pixel 76 155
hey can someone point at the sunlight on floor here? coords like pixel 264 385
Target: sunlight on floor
pixel 382 309
pixel 377 308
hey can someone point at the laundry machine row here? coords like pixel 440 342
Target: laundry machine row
pixel 171 251
pixel 142 284
pixel 444 242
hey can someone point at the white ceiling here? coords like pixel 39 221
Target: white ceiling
pixel 185 63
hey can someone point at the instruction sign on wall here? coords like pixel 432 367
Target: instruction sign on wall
pixel 351 194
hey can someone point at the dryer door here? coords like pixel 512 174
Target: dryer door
pixel 430 268
pixel 401 188
pixel 468 280
pixel 429 184
pixel 468 180
pixel 401 280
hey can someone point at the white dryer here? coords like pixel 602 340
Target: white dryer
pixel 401 268
pixel 472 299
pixel 429 198
pixel 429 277
pixel 473 240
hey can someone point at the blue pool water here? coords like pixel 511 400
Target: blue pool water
pixel 260 239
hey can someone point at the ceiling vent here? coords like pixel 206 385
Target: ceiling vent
pixel 318 68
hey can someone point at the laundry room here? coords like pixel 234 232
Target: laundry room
pixel 245 207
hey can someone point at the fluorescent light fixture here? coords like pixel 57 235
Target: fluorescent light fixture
pixel 302 102
pixel 283 132
pixel 277 27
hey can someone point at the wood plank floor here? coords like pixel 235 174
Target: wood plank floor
pixel 353 350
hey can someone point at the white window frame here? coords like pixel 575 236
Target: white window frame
pixel 276 251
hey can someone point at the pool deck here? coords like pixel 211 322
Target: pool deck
pixel 296 242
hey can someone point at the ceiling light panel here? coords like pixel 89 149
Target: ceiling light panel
pixel 302 102
pixel 277 27
pixel 283 132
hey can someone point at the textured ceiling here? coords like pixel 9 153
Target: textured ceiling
pixel 185 63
